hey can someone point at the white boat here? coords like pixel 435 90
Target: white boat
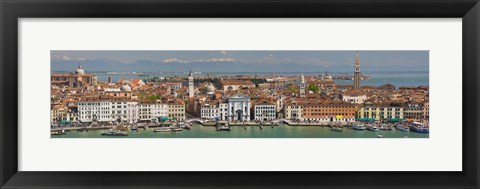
pixel 372 127
pixel 359 126
pixel 57 132
pixel 162 129
pixel 419 127
pixel 337 129
pixel 223 126
pixel 402 127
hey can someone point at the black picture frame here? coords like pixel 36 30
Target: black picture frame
pixel 12 10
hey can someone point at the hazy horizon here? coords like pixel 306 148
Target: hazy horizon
pixel 239 61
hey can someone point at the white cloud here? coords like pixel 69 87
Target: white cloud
pixel 199 60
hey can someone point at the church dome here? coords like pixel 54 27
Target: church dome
pixel 210 89
pixel 126 88
pixel 79 70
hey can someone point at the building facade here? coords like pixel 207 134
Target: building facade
pixel 264 112
pixel 152 111
pixel 238 108
pixel 381 113
pixel 293 111
pixel 329 112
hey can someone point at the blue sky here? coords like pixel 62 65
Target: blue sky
pixel 231 61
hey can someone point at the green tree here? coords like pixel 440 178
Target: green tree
pixel 313 88
pixel 153 97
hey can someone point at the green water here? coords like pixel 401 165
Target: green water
pixel 282 131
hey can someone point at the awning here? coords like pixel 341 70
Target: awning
pixel 65 122
pixel 366 119
pixel 394 120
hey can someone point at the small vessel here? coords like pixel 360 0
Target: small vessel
pixel 162 129
pixel 177 129
pixel 384 126
pixel 380 136
pixel 359 126
pixel 419 127
pixel 114 133
pixel 181 125
pixel 222 126
pixel 372 127
pixel 402 127
pixel 337 129
pixel 57 132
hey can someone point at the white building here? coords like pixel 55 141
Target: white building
pixel 354 98
pixel 107 111
pixel 238 108
pixel 265 112
pixel 151 111
pixel 223 111
pixel 214 112
pixel 211 112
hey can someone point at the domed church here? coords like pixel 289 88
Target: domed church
pixel 76 79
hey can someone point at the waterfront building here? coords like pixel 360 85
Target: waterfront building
pixel 426 110
pixel 108 111
pixel 223 111
pixel 354 97
pixel 383 113
pixel 328 111
pixel 210 112
pixel 152 111
pixel 302 86
pixel 414 112
pixel 238 108
pixel 234 84
pixel 293 110
pixel 176 109
pixel 77 79
pixel 264 111
pixel 356 77
pixel 190 85
pixel 60 114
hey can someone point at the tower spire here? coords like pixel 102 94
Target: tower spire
pixel 356 77
pixel 356 58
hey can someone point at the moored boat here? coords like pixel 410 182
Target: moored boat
pixel 114 133
pixel 162 129
pixel 359 126
pixel 337 129
pixel 222 126
pixel 372 127
pixel 419 127
pixel 177 129
pixel 402 127
pixel 57 132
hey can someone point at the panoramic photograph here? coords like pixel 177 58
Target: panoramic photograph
pixel 239 94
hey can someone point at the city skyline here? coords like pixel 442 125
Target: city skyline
pixel 239 61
